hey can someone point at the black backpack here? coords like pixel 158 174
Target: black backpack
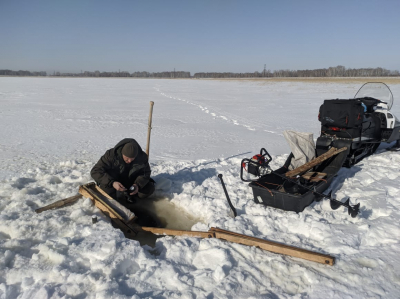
pixel 341 113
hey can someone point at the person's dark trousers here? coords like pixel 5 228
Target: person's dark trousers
pixel 147 190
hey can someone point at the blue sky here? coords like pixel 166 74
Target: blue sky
pixel 198 36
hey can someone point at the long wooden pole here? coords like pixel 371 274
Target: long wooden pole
pixel 59 203
pixel 273 246
pixel 149 129
pixel 174 232
pixel 303 168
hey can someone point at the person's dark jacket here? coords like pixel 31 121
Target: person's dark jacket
pixel 112 168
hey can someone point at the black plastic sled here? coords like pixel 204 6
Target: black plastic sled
pixel 294 194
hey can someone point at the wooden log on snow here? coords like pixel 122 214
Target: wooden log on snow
pixel 123 211
pixel 314 162
pixel 59 203
pixel 175 232
pixel 116 218
pixel 273 246
pixel 149 129
pixel 86 191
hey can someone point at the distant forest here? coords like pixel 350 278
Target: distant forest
pixel 338 71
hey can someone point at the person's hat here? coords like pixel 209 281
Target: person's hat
pixel 130 150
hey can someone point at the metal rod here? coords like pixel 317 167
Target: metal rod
pixel 227 196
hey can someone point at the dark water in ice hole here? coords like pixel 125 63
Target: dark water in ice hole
pixel 160 213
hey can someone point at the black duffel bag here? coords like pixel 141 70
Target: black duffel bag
pixel 341 113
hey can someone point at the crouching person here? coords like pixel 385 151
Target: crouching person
pixel 123 167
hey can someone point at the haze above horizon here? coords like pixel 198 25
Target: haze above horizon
pixel 197 36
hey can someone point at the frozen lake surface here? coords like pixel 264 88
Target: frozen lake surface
pixel 53 130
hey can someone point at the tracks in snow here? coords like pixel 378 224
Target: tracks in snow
pixel 228 117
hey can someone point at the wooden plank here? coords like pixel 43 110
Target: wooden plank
pixel 246 240
pixel 175 232
pixel 87 192
pixel 303 168
pixel 127 229
pixel 274 246
pixel 98 189
pixel 314 176
pixel 112 203
pixel 59 203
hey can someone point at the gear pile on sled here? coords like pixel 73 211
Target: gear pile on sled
pixel 350 130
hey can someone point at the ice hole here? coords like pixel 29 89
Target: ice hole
pixel 162 213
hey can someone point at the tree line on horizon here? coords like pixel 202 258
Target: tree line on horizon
pixel 338 71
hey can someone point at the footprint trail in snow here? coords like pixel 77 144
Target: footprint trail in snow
pixel 233 119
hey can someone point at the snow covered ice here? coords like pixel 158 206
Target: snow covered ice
pixel 53 130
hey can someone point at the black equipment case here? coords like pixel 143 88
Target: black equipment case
pixel 272 190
